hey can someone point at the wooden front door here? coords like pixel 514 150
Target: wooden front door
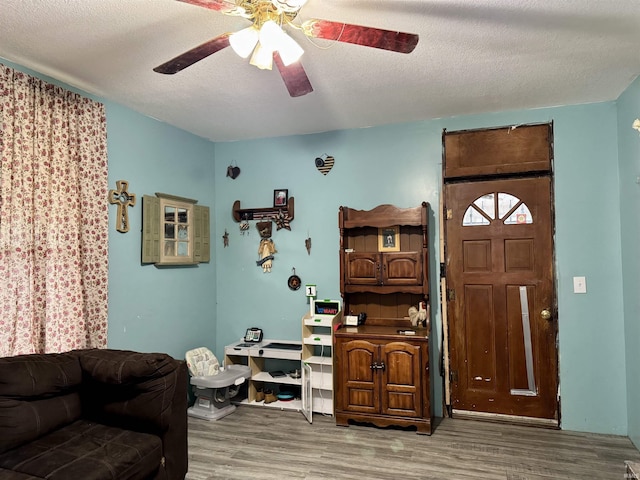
pixel 501 298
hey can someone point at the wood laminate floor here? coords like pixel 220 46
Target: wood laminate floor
pixel 262 443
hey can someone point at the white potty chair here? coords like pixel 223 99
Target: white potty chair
pixel 214 387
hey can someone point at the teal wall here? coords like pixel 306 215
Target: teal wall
pixel 157 309
pixel 629 165
pixel 176 309
pixel 587 240
pixel 401 164
pixel 386 165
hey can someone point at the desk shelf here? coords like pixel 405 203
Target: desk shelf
pixel 281 404
pixel 262 360
pixel 267 378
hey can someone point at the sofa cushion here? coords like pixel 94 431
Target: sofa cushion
pixel 87 451
pixel 37 375
pixel 9 475
pixel 38 393
pixel 23 421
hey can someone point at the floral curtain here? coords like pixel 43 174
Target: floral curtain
pixel 53 218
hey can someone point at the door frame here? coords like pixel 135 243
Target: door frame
pixel 446 366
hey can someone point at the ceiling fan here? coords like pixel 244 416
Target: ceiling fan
pixel 268 43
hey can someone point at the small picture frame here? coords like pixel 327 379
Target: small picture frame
pixel 280 197
pixel 389 239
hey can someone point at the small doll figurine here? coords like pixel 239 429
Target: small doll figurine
pixel 267 248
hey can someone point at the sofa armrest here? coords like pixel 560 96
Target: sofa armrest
pixel 174 438
pixel 145 392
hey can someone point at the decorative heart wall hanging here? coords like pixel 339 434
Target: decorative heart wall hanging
pixel 307 244
pixel 233 172
pixel 324 163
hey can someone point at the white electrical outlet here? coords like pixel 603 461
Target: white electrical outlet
pixel 579 285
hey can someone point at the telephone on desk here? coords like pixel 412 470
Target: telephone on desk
pixel 252 337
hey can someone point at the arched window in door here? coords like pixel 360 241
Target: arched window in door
pixel 501 206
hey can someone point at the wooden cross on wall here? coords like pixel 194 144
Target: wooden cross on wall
pixel 124 199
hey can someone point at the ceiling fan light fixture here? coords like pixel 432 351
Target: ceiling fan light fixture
pixel 289 6
pixel 290 51
pixel 270 44
pixel 244 41
pixel 262 57
pixel 270 35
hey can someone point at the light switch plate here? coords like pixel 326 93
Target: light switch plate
pixel 579 285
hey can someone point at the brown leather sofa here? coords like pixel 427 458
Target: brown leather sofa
pixel 93 415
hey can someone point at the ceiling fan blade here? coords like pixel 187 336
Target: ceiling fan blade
pixel 294 76
pixel 367 36
pixel 194 55
pixel 223 6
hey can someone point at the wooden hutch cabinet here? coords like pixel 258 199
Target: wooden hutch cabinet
pixel 382 367
pixel 383 378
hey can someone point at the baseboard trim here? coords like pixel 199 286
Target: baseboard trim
pixel 501 418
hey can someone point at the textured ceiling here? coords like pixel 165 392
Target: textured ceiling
pixel 473 56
